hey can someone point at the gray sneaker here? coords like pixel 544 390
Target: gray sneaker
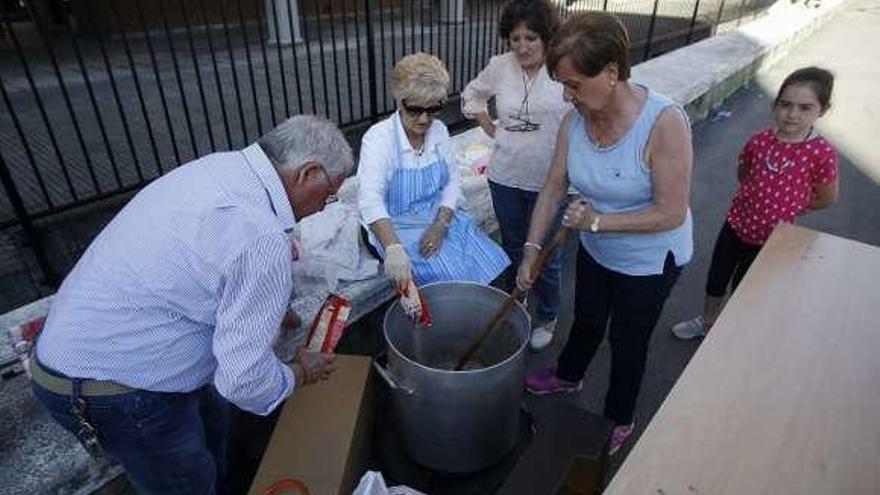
pixel 690 329
pixel 542 335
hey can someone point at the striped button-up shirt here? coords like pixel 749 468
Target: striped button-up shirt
pixel 187 284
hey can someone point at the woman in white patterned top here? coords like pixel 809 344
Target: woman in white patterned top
pixel 529 108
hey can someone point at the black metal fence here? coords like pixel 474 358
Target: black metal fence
pixel 101 96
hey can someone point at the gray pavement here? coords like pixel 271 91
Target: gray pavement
pixel 844 45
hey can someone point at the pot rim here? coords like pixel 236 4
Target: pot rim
pixel 403 356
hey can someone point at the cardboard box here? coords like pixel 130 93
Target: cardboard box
pixel 324 435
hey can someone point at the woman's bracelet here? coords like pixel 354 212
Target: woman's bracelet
pixel 537 247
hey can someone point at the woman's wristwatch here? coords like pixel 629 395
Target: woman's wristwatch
pixel 594 225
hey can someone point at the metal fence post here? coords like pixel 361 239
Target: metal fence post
pixel 371 64
pixel 49 275
pixel 651 31
pixel 720 13
pixel 693 23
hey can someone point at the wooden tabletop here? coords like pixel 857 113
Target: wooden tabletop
pixel 783 396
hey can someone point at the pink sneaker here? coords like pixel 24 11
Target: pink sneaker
pixel 546 382
pixel 619 435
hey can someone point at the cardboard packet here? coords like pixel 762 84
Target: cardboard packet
pixel 329 324
pixel 415 306
pixel 22 339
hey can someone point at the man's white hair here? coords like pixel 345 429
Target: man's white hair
pixel 308 138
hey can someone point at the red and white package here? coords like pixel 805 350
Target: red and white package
pixel 414 305
pixel 329 324
pixel 22 339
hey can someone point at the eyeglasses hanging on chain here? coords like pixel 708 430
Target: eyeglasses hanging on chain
pixel 523 116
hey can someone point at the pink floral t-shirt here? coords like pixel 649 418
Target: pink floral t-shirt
pixel 778 183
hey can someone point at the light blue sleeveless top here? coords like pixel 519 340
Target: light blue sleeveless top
pixel 617 179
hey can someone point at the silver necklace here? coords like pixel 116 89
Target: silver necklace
pixel 779 167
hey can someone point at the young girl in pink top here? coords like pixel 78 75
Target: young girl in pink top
pixel 783 172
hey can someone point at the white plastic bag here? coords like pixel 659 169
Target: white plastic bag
pixel 372 483
pixel 328 244
pixel 471 152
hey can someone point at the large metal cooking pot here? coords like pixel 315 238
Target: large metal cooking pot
pixel 456 421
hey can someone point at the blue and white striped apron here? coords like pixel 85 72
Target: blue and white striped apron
pixel 467 253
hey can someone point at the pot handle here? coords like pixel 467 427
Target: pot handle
pixel 392 383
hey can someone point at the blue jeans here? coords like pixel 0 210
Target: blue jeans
pixel 168 443
pixel 513 209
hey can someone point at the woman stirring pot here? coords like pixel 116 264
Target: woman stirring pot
pixel 627 150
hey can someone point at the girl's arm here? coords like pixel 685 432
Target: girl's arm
pixel 742 170
pixel 824 178
pixel 825 195
pixel 745 161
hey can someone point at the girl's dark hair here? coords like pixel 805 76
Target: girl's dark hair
pixel 591 40
pixel 821 80
pixel 538 15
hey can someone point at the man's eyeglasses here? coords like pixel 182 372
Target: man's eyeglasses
pixel 417 111
pixel 331 193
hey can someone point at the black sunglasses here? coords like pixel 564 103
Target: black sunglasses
pixel 417 111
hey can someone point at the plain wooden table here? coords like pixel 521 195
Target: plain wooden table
pixel 783 396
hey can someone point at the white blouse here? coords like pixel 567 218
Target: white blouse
pixel 520 159
pixel 379 160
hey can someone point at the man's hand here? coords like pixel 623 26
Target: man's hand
pixel 289 324
pixel 291 320
pixel 310 367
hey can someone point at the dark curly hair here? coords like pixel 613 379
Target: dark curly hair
pixel 538 15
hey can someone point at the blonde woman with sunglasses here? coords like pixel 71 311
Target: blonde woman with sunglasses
pixel 409 192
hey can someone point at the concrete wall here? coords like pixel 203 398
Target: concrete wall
pixel 701 76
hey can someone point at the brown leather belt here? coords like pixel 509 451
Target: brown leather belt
pixel 64 386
